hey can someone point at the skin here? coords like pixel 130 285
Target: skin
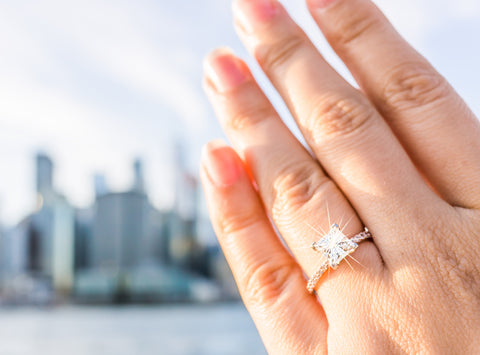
pixel 400 155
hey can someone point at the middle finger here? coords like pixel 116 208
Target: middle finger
pixel 351 140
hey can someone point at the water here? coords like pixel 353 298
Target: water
pixel 195 330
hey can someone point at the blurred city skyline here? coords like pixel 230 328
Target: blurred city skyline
pixel 97 84
pixel 121 249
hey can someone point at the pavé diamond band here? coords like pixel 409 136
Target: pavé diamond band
pixel 335 246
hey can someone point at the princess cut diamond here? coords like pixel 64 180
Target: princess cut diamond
pixel 335 246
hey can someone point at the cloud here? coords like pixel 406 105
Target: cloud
pixel 145 95
pixel 96 83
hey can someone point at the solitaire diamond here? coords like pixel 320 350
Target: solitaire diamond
pixel 335 246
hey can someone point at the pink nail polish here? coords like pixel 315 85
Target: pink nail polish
pixel 252 13
pixel 221 164
pixel 319 3
pixel 225 71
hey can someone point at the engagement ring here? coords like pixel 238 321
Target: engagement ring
pixel 335 246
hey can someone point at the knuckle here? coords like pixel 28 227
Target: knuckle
pixel 451 266
pixel 249 117
pixel 459 276
pixel 431 243
pixel 352 28
pixel 273 57
pixel 413 85
pixel 333 117
pixel 265 284
pixel 295 187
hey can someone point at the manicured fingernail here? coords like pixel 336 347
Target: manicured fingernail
pixel 220 163
pixel 253 13
pixel 225 71
pixel 320 4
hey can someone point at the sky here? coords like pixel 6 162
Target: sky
pixel 95 84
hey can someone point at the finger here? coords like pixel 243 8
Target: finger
pixel 438 130
pixel 293 187
pixel 353 143
pixel 268 278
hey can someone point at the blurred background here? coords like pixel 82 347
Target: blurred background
pixel 105 243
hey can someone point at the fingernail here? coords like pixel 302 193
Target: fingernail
pixel 225 71
pixel 252 13
pixel 220 163
pixel 319 3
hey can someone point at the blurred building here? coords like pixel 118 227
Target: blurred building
pixel 119 229
pixel 44 175
pixel 120 249
pixel 83 239
pixel 100 184
pixel 14 249
pixel 63 239
pixel 38 252
pixel 126 241
pixel 127 229
pixel 138 180
pixel 50 238
pixel 183 219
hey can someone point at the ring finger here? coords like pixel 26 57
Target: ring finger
pixel 292 185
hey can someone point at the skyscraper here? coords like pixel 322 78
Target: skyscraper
pixel 126 227
pixel 44 175
pixel 100 184
pixel 50 234
pixel 184 214
pixel 119 230
pixel 138 181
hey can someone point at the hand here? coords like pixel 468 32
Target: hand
pixel 400 156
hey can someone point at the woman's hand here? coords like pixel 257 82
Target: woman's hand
pixel 400 156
